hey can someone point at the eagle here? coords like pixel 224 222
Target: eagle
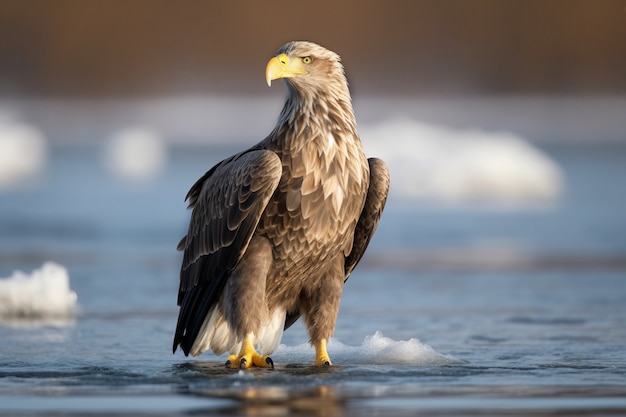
pixel 276 230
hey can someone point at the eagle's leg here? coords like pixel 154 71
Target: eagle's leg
pixel 321 355
pixel 249 357
pixel 245 305
pixel 320 308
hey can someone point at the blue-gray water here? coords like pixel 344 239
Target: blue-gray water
pixel 528 304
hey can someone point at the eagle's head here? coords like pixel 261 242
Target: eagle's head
pixel 306 66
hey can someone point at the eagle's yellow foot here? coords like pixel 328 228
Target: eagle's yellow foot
pixel 321 355
pixel 248 357
pixel 248 361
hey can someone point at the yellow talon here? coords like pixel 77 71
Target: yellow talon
pixel 248 357
pixel 321 355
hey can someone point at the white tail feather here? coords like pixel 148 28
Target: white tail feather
pixel 216 334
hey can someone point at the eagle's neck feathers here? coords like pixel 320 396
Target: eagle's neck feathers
pixel 312 116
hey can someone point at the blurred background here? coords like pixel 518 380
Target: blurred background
pixel 147 61
pixel 502 121
pixel 72 48
pixel 503 241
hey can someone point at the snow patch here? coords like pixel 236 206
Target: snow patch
pixel 374 350
pixel 43 294
pixel 454 165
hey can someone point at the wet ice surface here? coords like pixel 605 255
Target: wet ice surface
pixel 492 351
pixel 480 311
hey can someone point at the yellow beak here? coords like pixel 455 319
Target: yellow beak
pixel 282 67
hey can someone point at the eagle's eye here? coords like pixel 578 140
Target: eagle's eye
pixel 307 60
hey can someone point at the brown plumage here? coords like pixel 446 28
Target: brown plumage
pixel 277 229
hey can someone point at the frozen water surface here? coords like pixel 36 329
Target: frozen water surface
pixel 459 308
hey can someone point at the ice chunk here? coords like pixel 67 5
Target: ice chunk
pixel 454 165
pixel 43 294
pixel 23 153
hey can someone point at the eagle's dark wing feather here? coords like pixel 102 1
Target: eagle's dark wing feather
pixel 227 203
pixel 372 210
pixel 368 221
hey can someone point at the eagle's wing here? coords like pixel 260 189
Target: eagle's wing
pixel 367 223
pixel 227 203
pixel 372 210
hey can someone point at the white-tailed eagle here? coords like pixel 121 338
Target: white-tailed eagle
pixel 277 229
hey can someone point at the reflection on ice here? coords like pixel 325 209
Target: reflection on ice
pixel 42 296
pixel 321 400
pixel 453 165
